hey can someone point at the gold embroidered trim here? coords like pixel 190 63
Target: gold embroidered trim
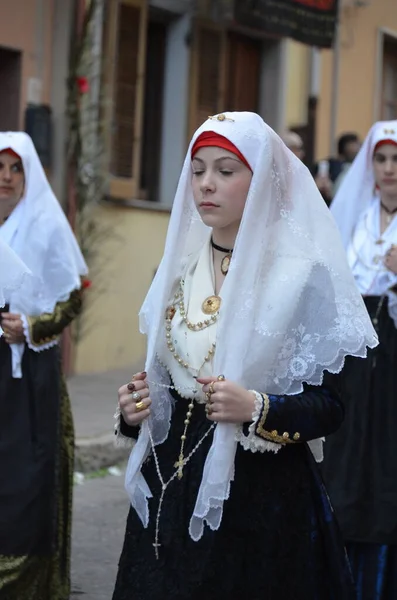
pixel 32 321
pixel 266 406
pixel 273 436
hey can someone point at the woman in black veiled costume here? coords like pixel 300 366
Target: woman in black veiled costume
pixel 252 302
pixel 36 427
pixel 361 459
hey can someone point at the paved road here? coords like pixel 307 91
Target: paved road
pixel 100 511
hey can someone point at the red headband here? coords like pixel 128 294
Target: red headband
pixel 210 138
pixel 11 151
pixel 384 143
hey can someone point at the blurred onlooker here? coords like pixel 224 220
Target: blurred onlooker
pixel 294 142
pixel 329 173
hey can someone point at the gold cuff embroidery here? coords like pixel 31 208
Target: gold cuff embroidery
pixel 273 436
pixel 31 323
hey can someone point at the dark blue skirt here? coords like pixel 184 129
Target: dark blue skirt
pixel 278 537
pixel 375 570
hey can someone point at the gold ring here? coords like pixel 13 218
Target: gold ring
pixel 140 406
pixel 136 396
pixel 211 388
pixel 221 378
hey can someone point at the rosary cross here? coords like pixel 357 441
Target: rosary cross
pixel 179 465
pixel 156 547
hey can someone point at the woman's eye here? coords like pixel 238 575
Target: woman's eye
pixel 226 172
pixel 380 159
pixel 198 172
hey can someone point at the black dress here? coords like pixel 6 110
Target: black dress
pixel 278 536
pixel 36 457
pixel 360 467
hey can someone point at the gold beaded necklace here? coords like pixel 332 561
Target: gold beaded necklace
pixel 200 326
pixel 210 303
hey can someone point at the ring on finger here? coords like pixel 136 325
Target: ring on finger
pixel 136 396
pixel 221 378
pixel 211 388
pixel 140 406
pixel 208 396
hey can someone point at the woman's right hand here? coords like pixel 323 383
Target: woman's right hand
pixel 128 400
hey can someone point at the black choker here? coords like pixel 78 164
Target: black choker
pixel 386 209
pixel 225 261
pixel 225 250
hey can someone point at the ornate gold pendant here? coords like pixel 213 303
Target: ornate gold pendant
pixel 225 264
pixel 211 305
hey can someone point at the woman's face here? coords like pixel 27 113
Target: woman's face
pixel 12 181
pixel 385 169
pixel 220 184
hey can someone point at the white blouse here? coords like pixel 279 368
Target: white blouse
pixel 194 346
pixel 366 254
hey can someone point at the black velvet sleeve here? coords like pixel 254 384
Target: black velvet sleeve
pixel 130 431
pixel 314 413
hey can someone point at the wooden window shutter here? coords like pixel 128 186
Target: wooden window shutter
pixel 127 93
pixel 389 91
pixel 244 65
pixel 207 74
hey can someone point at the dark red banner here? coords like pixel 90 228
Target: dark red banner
pixel 317 4
pixel 311 22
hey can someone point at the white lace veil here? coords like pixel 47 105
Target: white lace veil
pixel 12 273
pixel 357 188
pixel 41 236
pixel 290 307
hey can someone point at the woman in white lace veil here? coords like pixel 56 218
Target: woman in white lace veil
pixel 252 303
pixel 361 458
pixel 36 427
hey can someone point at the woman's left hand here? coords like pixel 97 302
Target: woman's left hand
pixel 229 402
pixel 13 328
pixel 391 259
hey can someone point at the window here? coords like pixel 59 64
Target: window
pixel 207 74
pixel 125 83
pixel 10 75
pixel 225 72
pixel 136 44
pixel 244 62
pixel 153 106
pixel 389 86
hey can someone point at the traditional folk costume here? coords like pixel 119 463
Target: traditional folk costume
pixel 36 427
pixel 225 511
pixel 361 458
